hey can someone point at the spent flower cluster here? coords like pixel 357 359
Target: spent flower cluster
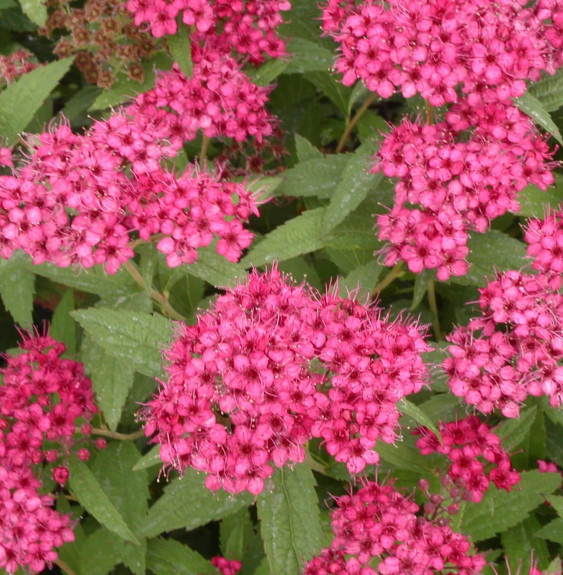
pixel 14 65
pixel 379 522
pixel 273 364
pixel 42 399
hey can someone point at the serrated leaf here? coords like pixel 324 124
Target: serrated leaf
pixel 533 201
pixel 315 177
pixel 181 49
pixel 133 337
pixel 420 287
pixel 499 510
pixel 63 327
pixel 555 567
pixel 548 90
pixel 235 533
pixel 406 407
pixel 352 189
pixel 402 456
pixel 290 519
pixel 364 278
pixel 92 497
pixel 308 56
pixel 298 236
pixel 17 288
pixel 534 108
pixel 556 502
pixel 35 10
pixel 99 555
pixel 268 72
pixel 512 432
pixel 553 531
pixel 149 459
pixel 187 504
pixel 490 252
pixel 215 269
pixel 521 544
pixel 305 150
pixel 331 88
pixel 169 557
pixel 21 99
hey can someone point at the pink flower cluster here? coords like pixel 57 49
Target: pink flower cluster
pixel 467 443
pixel 460 174
pixel 247 27
pixel 273 364
pixel 378 522
pixel 41 400
pixel 545 246
pixel 513 350
pixel 225 566
pixel 489 48
pixel 79 199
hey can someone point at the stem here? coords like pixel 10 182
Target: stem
pixel 434 309
pixel 63 567
pixel 354 121
pixel 204 145
pixel 394 273
pixel 121 436
pixel 159 298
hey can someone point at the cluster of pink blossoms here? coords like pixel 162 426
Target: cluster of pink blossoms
pixel 248 27
pixel 226 566
pixel 466 443
pixel 273 364
pixel 459 174
pixel 42 399
pixel 378 522
pixel 545 246
pixel 488 48
pixel 513 350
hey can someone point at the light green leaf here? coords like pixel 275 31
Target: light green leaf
pixel 364 278
pixel 133 337
pixel 305 150
pixel 20 100
pixel 555 567
pixel 290 519
pixel 150 459
pixel 268 72
pixel 499 510
pixel 298 236
pixel 353 188
pixel 187 504
pixel 63 327
pixel 17 288
pixel 93 498
pixel 35 10
pixel 308 56
pixel 406 407
pixel 534 108
pixel 490 252
pixel 181 49
pixel 548 90
pixel 169 557
pixel 314 177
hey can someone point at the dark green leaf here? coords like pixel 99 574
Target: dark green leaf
pixel 99 555
pixel 308 56
pixel 215 269
pixel 149 459
pixel 534 108
pixel 134 337
pixel 406 407
pixel 513 431
pixel 93 498
pixel 364 278
pixel 402 456
pixel 63 327
pixel 305 150
pixel 298 236
pixel 331 88
pixel 290 519
pixel 169 557
pixel 520 544
pixel 268 72
pixel 181 49
pixel 553 531
pixel 20 100
pixel 548 91
pixel 187 504
pixel 17 288
pixel 533 201
pixel 236 531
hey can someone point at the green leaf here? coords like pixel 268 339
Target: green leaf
pixel 533 201
pixel 534 108
pixel 298 236
pixel 402 456
pixel 268 72
pixel 99 555
pixel 133 337
pixel 500 510
pixel 20 100
pixel 63 327
pixel 290 519
pixel 17 288
pixel 556 502
pixel 149 459
pixel 490 252
pixel 215 269
pixel 181 49
pixel 548 90
pixel 169 557
pixel 308 56
pixel 406 407
pixel 315 177
pixel 331 88
pixel 35 10
pixel 187 504
pixel 553 531
pixel 352 189
pixel 305 150
pixel 364 278
pixel 420 287
pixel 555 567
pixel 513 432
pixel 235 532
pixel 520 544
pixel 94 499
